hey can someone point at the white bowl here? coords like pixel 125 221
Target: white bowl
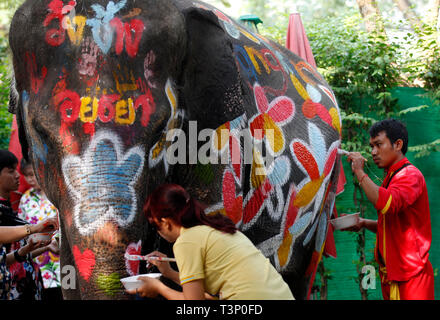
pixel 345 221
pixel 41 236
pixel 131 283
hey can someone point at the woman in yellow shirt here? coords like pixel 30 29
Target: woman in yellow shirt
pixel 213 257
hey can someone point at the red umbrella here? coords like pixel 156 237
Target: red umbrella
pixel 298 43
pixel 15 148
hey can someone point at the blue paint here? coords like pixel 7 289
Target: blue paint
pixel 102 31
pixel 39 152
pixel 280 172
pixel 301 225
pixel 102 182
pixel 246 64
pixel 317 141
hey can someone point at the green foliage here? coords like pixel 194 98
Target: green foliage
pixel 5 116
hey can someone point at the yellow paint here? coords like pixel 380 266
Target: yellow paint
pixel 129 85
pixel 221 137
pixel 171 96
pixel 75 34
pixel 248 35
pixel 273 134
pixel 125 113
pixel 88 107
pixel 336 122
pixel 284 249
pixel 158 148
pixel 307 193
pixel 299 87
pixel 387 206
pixel 252 52
pixel 258 174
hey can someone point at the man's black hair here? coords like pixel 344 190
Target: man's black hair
pixel 7 159
pixel 394 130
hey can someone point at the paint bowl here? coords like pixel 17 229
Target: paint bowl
pixel 41 236
pixel 131 283
pixel 346 221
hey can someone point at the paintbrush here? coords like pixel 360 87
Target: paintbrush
pixel 346 153
pixel 133 257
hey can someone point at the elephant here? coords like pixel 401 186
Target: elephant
pixel 114 98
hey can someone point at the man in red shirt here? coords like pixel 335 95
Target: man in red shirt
pixel 403 227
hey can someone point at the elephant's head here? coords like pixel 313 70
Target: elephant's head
pixel 98 84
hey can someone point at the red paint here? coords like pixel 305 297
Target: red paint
pixel 148 106
pixel 260 97
pixel 133 35
pixel 233 205
pixel 106 107
pixel 36 80
pixel 309 109
pixel 256 201
pixel 118 26
pixel 292 212
pixel 69 143
pixel 330 162
pixel 132 32
pixel 89 128
pixel 56 36
pixel 85 262
pixel 133 266
pixel 68 103
pixel 235 154
pixel 307 160
pixel 258 124
pixel 282 110
pixel 312 109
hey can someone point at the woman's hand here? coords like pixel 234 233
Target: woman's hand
pixel 54 247
pixel 32 245
pixel 149 289
pixel 46 225
pixel 163 266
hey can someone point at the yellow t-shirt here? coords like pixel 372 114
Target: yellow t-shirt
pixel 231 266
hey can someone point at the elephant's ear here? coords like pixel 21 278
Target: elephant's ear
pixel 15 107
pixel 210 80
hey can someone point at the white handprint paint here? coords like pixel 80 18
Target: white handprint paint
pixel 89 58
pixel 102 182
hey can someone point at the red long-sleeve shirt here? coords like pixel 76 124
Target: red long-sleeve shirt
pixel 404 224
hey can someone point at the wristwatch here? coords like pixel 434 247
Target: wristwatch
pixel 19 258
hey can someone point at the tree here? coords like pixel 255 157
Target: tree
pixel 371 14
pixel 407 9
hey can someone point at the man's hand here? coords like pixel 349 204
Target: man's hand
pixel 357 161
pixel 355 228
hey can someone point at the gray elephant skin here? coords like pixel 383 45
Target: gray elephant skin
pixel 114 98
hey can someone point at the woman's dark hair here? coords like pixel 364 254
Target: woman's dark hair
pixel 394 130
pixel 24 164
pixel 7 159
pixel 174 202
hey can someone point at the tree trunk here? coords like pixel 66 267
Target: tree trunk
pixel 433 13
pixel 405 7
pixel 371 14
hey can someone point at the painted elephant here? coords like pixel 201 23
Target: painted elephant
pixel 106 93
